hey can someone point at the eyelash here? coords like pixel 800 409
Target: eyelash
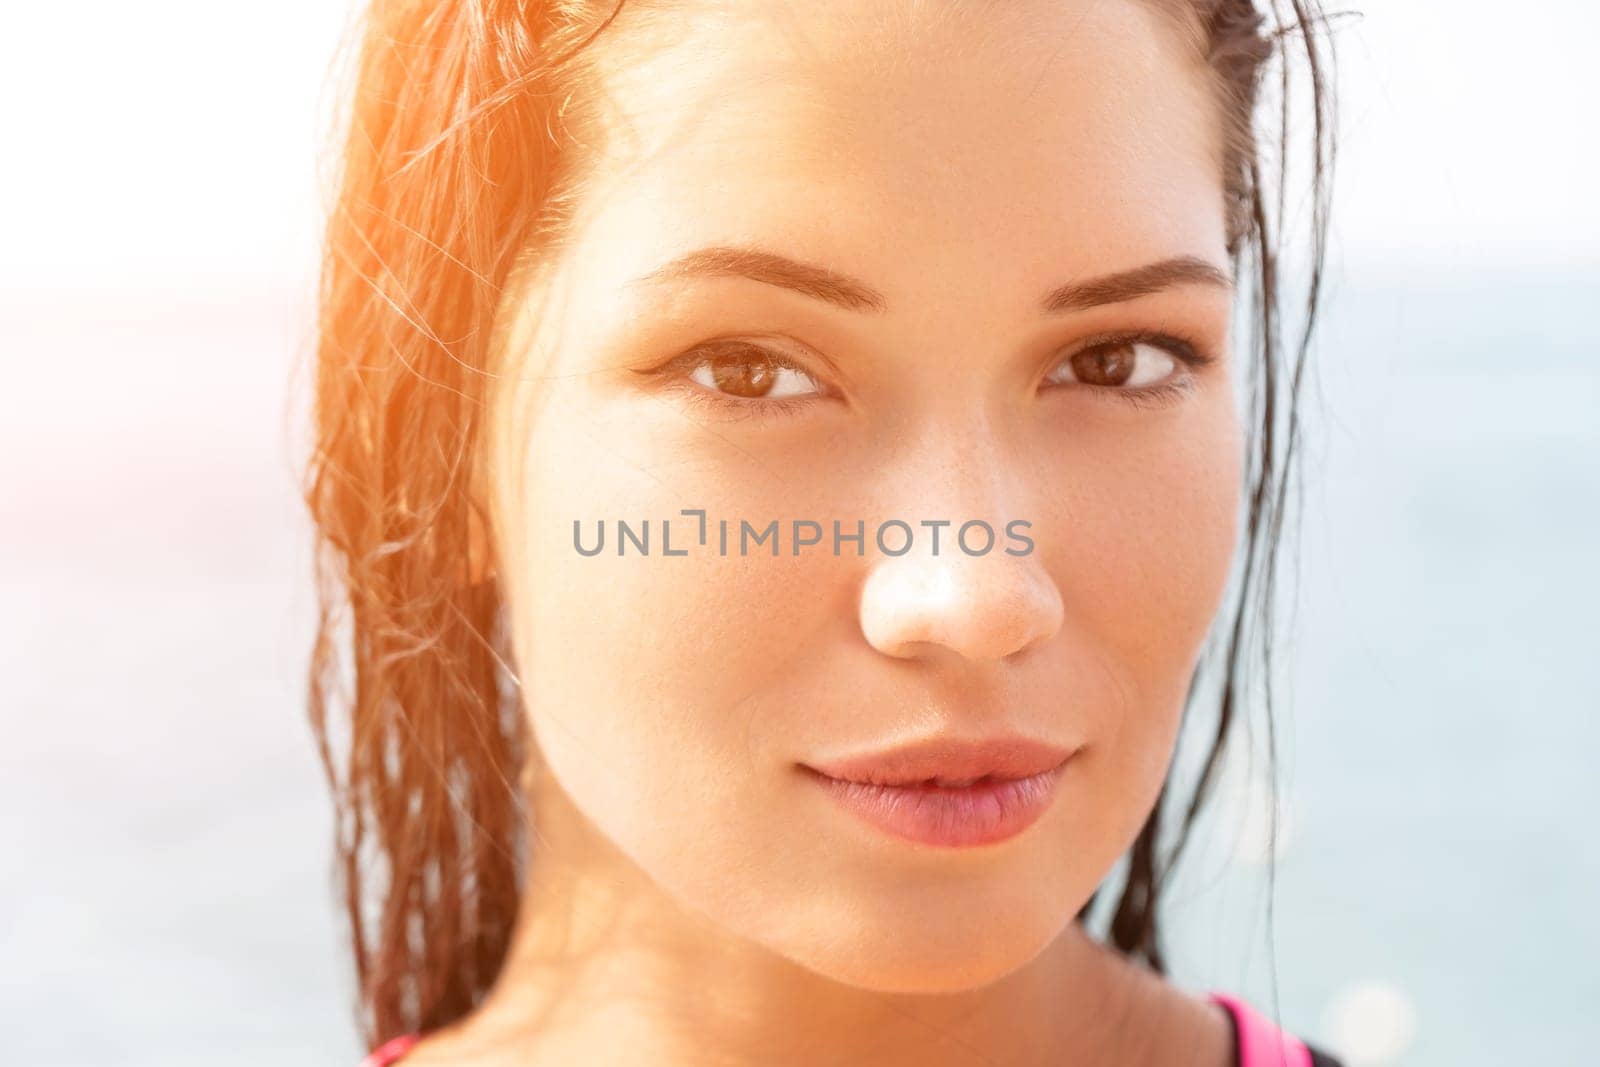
pixel 1184 350
pixel 727 406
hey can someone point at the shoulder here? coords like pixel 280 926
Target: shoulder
pixel 1259 1042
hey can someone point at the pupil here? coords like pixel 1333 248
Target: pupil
pixel 743 375
pixel 1105 365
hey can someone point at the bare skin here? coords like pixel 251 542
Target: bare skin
pixel 621 975
pixel 692 898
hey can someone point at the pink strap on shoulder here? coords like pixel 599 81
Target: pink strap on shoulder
pixel 390 1051
pixel 1261 1042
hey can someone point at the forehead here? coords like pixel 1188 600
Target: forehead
pixel 1019 142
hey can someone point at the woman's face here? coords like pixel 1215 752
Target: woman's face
pixel 959 194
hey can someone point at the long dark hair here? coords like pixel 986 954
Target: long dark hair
pixel 442 188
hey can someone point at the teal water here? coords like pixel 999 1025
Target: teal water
pixel 1442 713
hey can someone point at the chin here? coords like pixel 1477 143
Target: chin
pixel 923 954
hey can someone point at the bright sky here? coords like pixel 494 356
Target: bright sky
pixel 177 148
pixel 1470 132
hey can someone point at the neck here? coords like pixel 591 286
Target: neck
pixel 605 966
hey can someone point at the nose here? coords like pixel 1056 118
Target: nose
pixel 982 607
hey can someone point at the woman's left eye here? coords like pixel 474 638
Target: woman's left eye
pixel 1125 364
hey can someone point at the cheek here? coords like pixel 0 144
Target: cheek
pixel 647 677
pixel 1146 529
pixel 1144 538
pixel 1141 541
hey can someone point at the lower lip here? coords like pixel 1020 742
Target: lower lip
pixel 984 813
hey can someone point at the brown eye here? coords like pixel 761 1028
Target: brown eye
pixel 1118 364
pixel 1104 364
pixel 750 372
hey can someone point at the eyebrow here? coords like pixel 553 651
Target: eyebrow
pixel 854 295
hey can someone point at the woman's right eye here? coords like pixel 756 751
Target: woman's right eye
pixel 740 372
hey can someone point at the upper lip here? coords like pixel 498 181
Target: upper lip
pixel 948 759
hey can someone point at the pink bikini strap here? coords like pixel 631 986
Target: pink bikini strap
pixel 1261 1042
pixel 390 1051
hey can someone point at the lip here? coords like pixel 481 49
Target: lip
pixel 949 758
pixel 947 792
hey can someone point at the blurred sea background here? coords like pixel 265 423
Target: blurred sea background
pixel 165 840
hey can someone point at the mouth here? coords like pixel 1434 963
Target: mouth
pixel 948 793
